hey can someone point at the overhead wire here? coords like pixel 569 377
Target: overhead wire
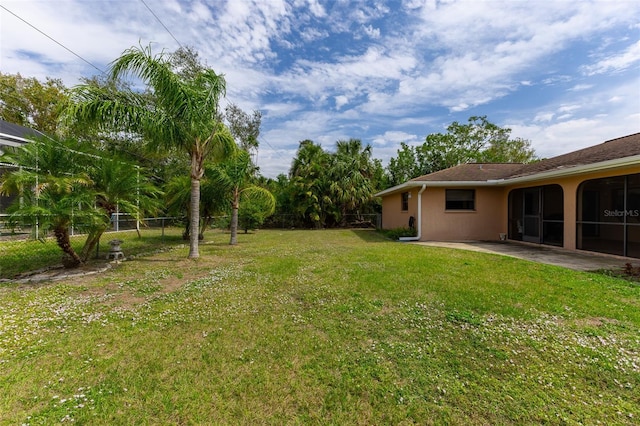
pixel 180 44
pixel 102 71
pixel 54 40
pixel 161 23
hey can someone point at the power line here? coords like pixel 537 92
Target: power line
pixel 277 153
pixel 161 23
pixel 54 40
pixel 262 139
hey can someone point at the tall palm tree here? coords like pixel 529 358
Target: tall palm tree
pixel 351 174
pixel 182 111
pixel 235 174
pixel 310 183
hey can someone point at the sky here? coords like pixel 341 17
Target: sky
pixel 564 74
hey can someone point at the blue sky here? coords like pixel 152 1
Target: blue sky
pixel 563 74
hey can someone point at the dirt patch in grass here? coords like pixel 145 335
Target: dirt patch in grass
pixel 159 273
pixel 595 322
pixel 628 272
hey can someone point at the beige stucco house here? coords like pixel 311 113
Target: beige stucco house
pixel 584 200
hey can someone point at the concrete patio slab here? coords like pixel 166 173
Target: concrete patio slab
pixel 578 260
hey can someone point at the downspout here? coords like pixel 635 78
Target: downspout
pixel 418 219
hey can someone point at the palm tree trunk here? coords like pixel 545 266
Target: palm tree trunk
pixel 195 219
pixel 62 239
pixel 234 217
pixel 92 240
pixel 206 221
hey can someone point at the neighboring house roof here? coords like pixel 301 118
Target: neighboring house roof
pixel 16 135
pixel 614 153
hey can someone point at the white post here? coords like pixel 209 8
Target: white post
pixel 37 193
pixel 138 200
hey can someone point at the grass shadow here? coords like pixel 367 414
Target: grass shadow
pixel 370 235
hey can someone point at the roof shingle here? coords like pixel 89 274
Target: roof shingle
pixel 471 172
pixel 614 149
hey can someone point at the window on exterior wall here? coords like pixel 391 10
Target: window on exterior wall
pixel 460 199
pixel 405 201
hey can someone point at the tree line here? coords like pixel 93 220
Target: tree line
pixel 172 149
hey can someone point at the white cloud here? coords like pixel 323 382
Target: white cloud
pixel 580 87
pixel 200 13
pixel 394 138
pixel 374 33
pixel 601 121
pixel 370 71
pixel 568 108
pixel 341 100
pixel 543 116
pixel 316 9
pixel 616 63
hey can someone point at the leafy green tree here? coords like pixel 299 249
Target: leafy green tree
pixel 403 167
pixel 478 140
pixel 177 199
pixel 254 211
pixel 214 199
pixel 32 103
pixel 282 190
pixel 182 113
pixel 324 188
pixel 515 150
pixel 61 187
pixel 245 128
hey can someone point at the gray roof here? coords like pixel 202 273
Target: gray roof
pixel 471 172
pixel 627 146
pixel 614 151
pixel 15 135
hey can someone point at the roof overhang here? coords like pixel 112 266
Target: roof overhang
pixel 550 174
pixel 617 163
pixel 12 140
pixel 434 184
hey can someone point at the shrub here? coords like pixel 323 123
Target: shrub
pixel 397 233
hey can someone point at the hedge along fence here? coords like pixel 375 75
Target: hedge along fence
pixel 24 229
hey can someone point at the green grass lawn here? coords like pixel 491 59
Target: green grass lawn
pixel 320 327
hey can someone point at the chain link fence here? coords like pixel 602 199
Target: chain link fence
pixel 21 251
pixel 25 247
pixel 22 229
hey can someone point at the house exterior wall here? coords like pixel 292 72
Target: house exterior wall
pixel 490 217
pixel 392 215
pixel 485 222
